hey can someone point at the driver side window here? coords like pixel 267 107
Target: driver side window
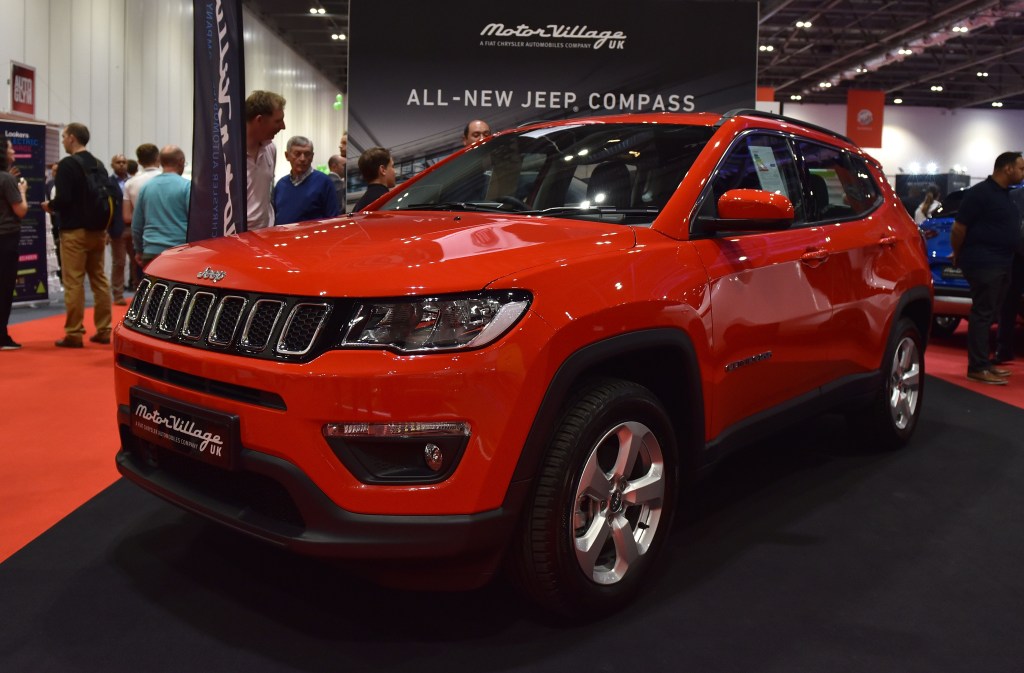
pixel 756 161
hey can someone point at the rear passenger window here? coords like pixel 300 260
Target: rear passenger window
pixel 756 161
pixel 839 184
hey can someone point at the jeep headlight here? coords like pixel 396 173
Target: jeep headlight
pixel 436 323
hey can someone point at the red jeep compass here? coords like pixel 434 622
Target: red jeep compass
pixel 517 357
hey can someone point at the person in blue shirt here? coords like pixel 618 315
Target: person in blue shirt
pixel 305 193
pixel 160 218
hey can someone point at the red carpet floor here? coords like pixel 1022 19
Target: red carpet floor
pixel 59 429
pixel 60 435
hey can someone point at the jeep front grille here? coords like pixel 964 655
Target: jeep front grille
pixel 250 324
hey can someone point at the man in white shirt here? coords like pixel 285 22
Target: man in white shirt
pixel 264 118
pixel 149 160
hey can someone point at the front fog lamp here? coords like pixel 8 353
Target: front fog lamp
pixel 410 452
pixel 435 324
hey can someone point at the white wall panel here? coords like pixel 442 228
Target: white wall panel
pixel 124 69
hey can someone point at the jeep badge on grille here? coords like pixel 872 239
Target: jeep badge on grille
pixel 210 274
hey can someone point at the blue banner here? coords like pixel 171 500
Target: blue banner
pixel 29 141
pixel 217 206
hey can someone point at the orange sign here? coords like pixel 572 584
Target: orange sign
pixel 864 115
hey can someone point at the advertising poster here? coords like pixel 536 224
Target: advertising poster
pixel 23 89
pixel 217 205
pixel 414 90
pixel 29 141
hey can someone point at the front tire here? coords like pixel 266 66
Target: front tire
pixel 603 502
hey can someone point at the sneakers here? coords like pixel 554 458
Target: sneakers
pixel 988 376
pixel 9 344
pixel 68 342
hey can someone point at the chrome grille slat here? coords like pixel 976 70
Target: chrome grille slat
pixel 170 317
pixel 154 300
pixel 225 320
pixel 138 300
pixel 260 324
pixel 197 315
pixel 302 328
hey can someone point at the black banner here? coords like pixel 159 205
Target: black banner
pixel 217 206
pixel 29 141
pixel 534 60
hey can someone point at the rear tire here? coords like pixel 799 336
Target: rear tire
pixel 890 420
pixel 603 502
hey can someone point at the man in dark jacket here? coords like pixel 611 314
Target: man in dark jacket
pixel 984 238
pixel 82 249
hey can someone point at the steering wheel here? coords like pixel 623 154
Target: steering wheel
pixel 508 200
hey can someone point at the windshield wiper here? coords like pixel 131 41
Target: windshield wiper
pixel 591 210
pixel 455 205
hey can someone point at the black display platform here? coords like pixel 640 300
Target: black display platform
pixel 803 553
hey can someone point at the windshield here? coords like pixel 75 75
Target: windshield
pixel 609 172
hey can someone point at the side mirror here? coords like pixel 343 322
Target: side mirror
pixel 750 210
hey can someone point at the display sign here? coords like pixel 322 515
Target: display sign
pixel 205 435
pixel 865 111
pixel 29 142
pixel 217 204
pixel 537 60
pixel 23 89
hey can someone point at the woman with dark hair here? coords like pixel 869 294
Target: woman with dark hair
pixel 13 206
pixel 929 205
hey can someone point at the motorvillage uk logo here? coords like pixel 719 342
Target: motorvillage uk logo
pixel 181 431
pixel 551 36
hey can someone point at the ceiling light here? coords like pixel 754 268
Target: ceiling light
pixel 795 96
pixel 767 47
pixel 915 167
pixel 861 69
pixel 982 74
pixel 997 103
pixel 825 85
pixel 959 29
pixel 932 167
pixel 903 51
pixel 337 36
pixel 897 101
pixel 936 88
pixel 312 10
pixel 803 24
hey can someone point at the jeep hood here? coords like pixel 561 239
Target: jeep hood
pixel 388 253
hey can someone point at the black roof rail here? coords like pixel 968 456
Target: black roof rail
pixel 749 112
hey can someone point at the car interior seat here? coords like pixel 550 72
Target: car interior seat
pixel 610 185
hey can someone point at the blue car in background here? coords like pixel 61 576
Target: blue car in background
pixel 952 296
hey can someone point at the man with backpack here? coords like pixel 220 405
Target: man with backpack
pixel 85 203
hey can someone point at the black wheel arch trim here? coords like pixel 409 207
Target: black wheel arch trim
pixel 687 419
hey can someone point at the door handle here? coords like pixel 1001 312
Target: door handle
pixel 814 256
pixel 887 241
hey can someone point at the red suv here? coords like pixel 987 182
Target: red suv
pixel 515 359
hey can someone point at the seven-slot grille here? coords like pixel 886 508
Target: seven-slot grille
pixel 249 324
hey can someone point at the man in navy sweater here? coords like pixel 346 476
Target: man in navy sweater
pixel 305 193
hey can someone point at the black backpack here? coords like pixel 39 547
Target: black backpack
pixel 100 198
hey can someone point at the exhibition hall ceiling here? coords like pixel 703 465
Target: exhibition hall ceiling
pixel 936 53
